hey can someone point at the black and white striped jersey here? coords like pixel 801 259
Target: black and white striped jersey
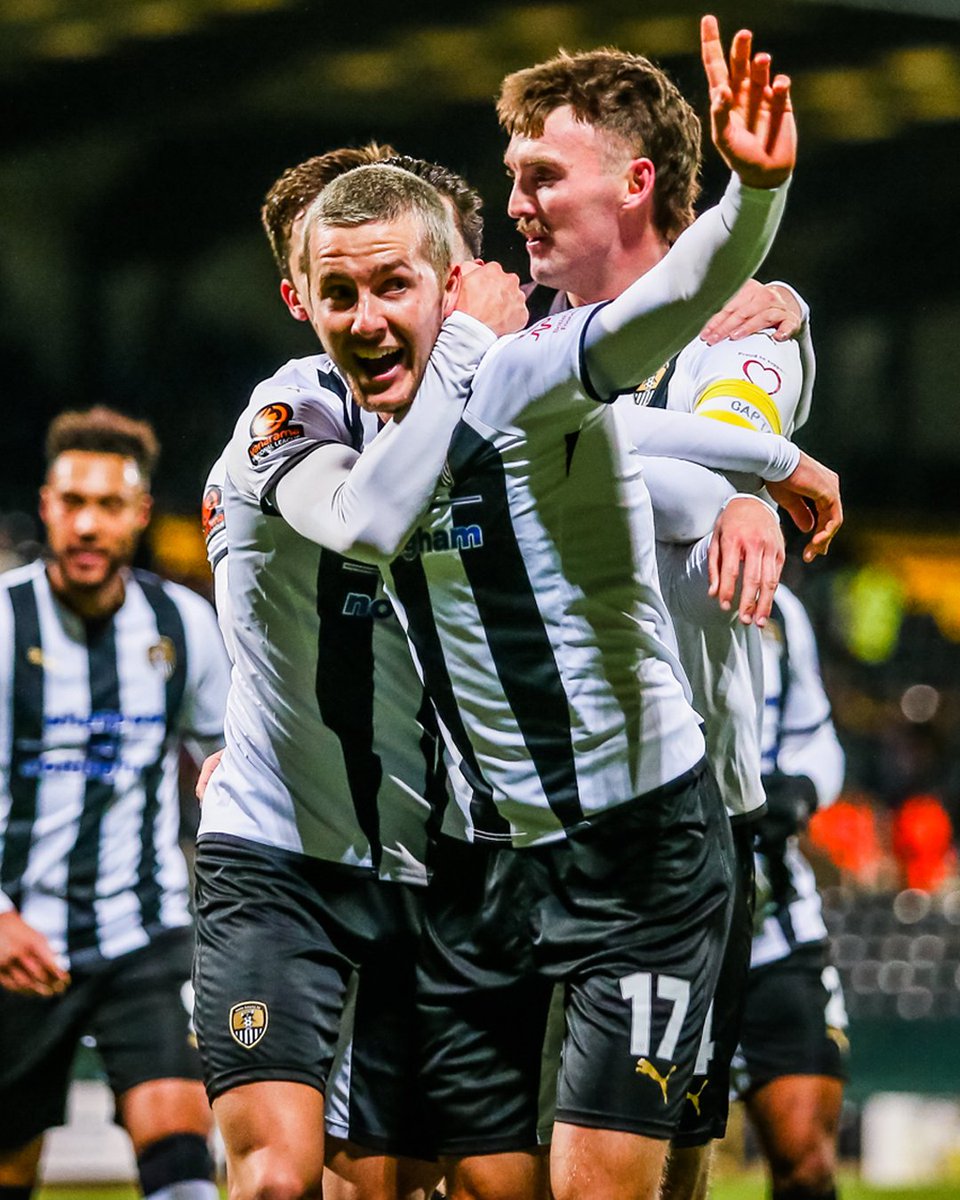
pixel 91 721
pixel 798 739
pixel 530 590
pixel 756 384
pixel 331 745
pixel 531 599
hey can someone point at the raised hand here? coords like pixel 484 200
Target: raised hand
pixel 751 118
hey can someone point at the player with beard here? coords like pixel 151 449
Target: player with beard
pixel 105 672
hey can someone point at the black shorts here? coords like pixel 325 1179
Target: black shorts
pixel 305 971
pixel 630 915
pixel 705 1113
pixel 135 1006
pixel 795 1022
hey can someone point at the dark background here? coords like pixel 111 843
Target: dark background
pixel 140 136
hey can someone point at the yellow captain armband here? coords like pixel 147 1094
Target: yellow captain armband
pixel 739 402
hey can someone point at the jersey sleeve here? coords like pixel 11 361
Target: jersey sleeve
pixel 212 518
pixel 364 507
pixel 661 433
pixel 208 672
pixel 754 383
pixel 685 497
pixel 286 420
pixel 808 740
pixel 634 334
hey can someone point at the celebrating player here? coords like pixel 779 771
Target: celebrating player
pixel 104 672
pixel 544 645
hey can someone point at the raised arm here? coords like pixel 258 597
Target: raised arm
pixel 753 129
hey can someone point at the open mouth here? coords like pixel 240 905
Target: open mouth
pixel 377 365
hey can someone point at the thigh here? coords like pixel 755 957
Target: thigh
pixel 796 1117
pixel 273 1136
pixel 38 1040
pixel 271 968
pixel 483 1009
pixel 794 1023
pixel 142 1020
pixel 645 905
pixel 374 1095
pixel 707 1106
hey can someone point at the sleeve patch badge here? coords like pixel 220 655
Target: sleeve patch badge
pixel 248 1022
pixel 211 514
pixel 269 428
pixel 763 376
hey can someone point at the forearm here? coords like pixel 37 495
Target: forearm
pixel 686 498
pixel 365 506
pixel 633 335
pixel 659 433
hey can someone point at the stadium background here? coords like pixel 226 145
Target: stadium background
pixel 139 140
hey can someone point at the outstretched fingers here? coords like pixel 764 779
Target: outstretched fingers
pixel 779 106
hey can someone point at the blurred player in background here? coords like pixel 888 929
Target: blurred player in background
pixel 790 1067
pixel 104 672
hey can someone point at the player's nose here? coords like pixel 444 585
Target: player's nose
pixel 520 203
pixel 368 316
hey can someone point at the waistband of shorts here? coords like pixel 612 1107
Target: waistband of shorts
pixel 646 800
pixel 229 842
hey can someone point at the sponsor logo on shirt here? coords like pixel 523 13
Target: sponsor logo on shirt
pixel 439 541
pixel 359 604
pixel 270 428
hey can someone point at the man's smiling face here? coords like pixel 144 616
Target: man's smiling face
pixel 377 306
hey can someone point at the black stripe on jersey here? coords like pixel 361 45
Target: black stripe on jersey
pixel 660 396
pixel 26 737
pixel 435 782
pixel 513 626
pixel 103 752
pixel 345 685
pixel 170 626
pixel 410 584
pixel 351 412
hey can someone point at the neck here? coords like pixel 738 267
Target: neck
pixel 634 261
pixel 91 604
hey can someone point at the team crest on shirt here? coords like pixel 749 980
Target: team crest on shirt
pixel 269 428
pixel 211 514
pixel 248 1022
pixel 162 656
pixel 643 393
pixel 35 657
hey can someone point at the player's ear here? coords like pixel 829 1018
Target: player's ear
pixel 451 291
pixel 144 510
pixel 641 177
pixel 291 298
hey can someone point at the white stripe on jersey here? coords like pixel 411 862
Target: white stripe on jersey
pixel 133 761
pixel 798 738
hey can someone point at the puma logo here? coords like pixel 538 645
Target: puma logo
pixel 694 1097
pixel 646 1067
